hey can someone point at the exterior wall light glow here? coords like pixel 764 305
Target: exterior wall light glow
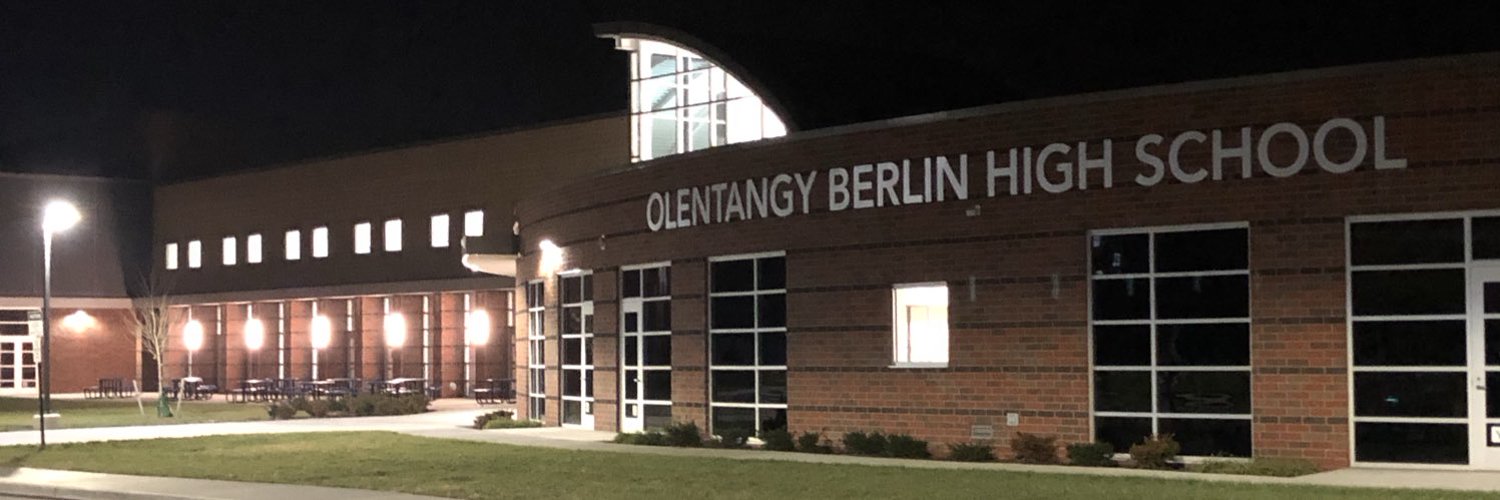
pixel 395 330
pixel 59 216
pixel 552 257
pixel 477 328
pixel 192 335
pixel 255 334
pixel 322 332
pixel 79 322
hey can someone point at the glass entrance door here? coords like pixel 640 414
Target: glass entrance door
pixel 17 363
pixel 646 348
pixel 1484 368
pixel 578 350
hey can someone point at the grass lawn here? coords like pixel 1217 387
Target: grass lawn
pixel 16 413
pixel 395 462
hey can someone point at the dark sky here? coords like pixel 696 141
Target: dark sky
pixel 172 90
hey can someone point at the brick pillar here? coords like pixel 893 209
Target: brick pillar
pixel 689 342
pixel 496 358
pixel 521 347
pixel 606 351
pixel 451 345
pixel 552 328
pixel 299 343
pixel 333 359
pixel 233 340
pixel 261 362
pixel 407 359
pixel 372 342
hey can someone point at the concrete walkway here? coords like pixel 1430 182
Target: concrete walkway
pixel 43 483
pixel 453 423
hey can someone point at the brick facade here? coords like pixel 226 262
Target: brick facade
pixel 1017 266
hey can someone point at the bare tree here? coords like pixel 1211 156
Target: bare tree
pixel 150 321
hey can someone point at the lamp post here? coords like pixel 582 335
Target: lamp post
pixel 255 338
pixel 57 216
pixel 395 336
pixel 476 335
pixel 322 335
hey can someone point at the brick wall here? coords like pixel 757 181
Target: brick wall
pixel 1017 265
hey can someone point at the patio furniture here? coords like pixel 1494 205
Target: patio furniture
pixel 403 386
pixel 493 391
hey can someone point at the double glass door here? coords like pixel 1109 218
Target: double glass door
pixel 17 363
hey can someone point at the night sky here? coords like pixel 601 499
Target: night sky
pixel 175 90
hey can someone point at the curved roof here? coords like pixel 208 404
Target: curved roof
pixel 813 86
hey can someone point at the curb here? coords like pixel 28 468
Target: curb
pixel 72 493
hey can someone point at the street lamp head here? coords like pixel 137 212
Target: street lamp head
pixel 322 332
pixel 59 216
pixel 255 334
pixel 192 335
pixel 477 328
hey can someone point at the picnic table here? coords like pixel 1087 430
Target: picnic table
pixel 401 386
pixel 491 390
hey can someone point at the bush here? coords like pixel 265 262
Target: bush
pixel 684 434
pixel 905 446
pixel 319 408
pixel 733 438
pixel 860 443
pixel 1156 452
pixel 366 405
pixel 338 405
pixel 812 442
pixel 511 423
pixel 1091 454
pixel 648 438
pixel 301 404
pixel 1034 449
pixel 280 411
pixel 483 420
pixel 778 440
pixel 1278 467
pixel 971 452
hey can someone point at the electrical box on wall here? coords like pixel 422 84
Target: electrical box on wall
pixel 1012 419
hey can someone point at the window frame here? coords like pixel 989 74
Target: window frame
pixel 536 349
pixel 756 368
pixel 171 256
pixel 440 235
pixel 321 247
pixel 363 238
pixel 195 254
pixel 896 326
pixel 291 245
pixel 392 235
pixel 229 248
pixel 474 223
pixel 254 249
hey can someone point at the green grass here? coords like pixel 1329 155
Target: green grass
pixel 17 413
pixel 395 462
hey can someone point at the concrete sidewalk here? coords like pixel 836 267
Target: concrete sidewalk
pixel 44 483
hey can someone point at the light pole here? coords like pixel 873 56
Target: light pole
pixel 476 335
pixel 57 216
pixel 322 335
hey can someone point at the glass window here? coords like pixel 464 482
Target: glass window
pixel 1121 254
pixel 1407 242
pixel 1410 394
pixel 393 235
pixel 1410 343
pixel 231 251
pixel 320 242
pixel 1216 250
pixel 440 231
pixel 171 258
pixel 293 245
pixel 1411 442
pixel 1422 291
pixel 1486 234
pixel 474 223
pixel 362 238
pixel 253 249
pixel 747 343
pixel 195 254
pixel 921 324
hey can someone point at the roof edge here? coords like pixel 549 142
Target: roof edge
pixel 674 36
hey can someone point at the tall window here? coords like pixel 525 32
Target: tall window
pixel 393 235
pixel 577 315
pixel 646 351
pixel 1171 337
pixel 440 229
pixel 536 351
pixel 171 256
pixel 747 343
pixel 362 238
pixel 195 254
pixel 253 249
pixel 474 223
pixel 682 102
pixel 231 251
pixel 920 324
pixel 320 242
pixel 294 245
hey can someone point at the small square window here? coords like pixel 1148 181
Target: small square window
pixel 362 238
pixel 440 231
pixel 252 249
pixel 294 245
pixel 393 235
pixel 171 256
pixel 195 254
pixel 474 223
pixel 921 324
pixel 320 242
pixel 231 251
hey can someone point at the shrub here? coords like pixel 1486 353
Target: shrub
pixel 648 438
pixel 511 423
pixel 1091 454
pixel 733 438
pixel 684 434
pixel 366 405
pixel 319 408
pixel 1155 452
pixel 280 411
pixel 778 440
pixel 483 420
pixel 1278 467
pixel 905 446
pixel 860 443
pixel 971 452
pixel 301 404
pixel 812 442
pixel 1034 449
pixel 338 405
